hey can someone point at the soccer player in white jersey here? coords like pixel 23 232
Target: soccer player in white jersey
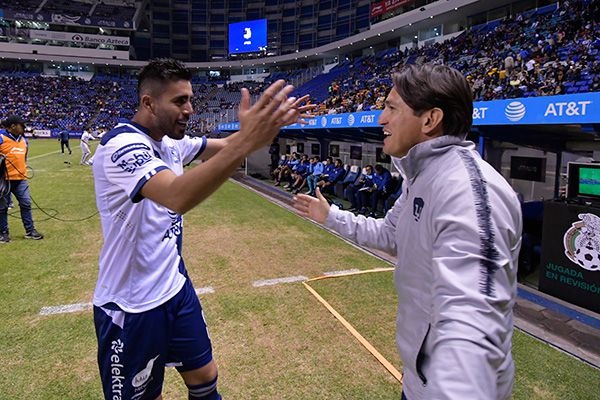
pixel 146 312
pixel 85 146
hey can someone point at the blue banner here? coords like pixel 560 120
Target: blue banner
pixel 582 108
pixel 1 13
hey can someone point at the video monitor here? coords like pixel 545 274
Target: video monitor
pixel 248 37
pixel 583 181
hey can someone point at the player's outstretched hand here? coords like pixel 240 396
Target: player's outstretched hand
pixel 260 123
pixel 316 209
pixel 298 113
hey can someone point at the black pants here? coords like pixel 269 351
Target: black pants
pixel 403 396
pixel 62 146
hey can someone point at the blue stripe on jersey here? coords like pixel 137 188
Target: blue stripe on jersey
pixel 122 129
pixel 202 148
pixel 113 133
pixel 135 195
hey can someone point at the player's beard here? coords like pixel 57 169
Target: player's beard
pixel 172 129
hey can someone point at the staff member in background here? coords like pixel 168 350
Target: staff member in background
pixel 63 137
pixel 456 232
pixel 85 147
pixel 14 147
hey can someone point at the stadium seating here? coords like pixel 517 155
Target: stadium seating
pixel 558 54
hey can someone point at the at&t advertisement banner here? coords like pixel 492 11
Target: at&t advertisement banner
pixel 583 108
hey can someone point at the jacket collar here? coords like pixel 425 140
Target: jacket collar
pixel 420 155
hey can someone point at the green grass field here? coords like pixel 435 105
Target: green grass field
pixel 273 342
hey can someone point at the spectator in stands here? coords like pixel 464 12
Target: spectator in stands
pixel 456 236
pixel 63 138
pixel 14 147
pixel 146 312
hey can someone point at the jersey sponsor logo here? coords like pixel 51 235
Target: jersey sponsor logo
pixel 176 227
pixel 126 149
pixel 135 161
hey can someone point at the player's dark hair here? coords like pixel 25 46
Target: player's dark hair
pixel 162 70
pixel 427 86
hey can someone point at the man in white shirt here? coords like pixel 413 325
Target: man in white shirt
pixel 85 147
pixel 146 313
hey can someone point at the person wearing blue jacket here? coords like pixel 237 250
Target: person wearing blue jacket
pixel 334 174
pixel 382 178
pixel 313 178
pixel 63 137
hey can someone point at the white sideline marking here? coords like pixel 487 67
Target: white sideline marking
pixel 43 155
pixel 205 290
pixel 277 281
pixel 71 308
pixel 343 272
pixel 65 308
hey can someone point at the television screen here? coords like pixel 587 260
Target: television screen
pixel 583 181
pixel 589 181
pixel 528 168
pixel 249 36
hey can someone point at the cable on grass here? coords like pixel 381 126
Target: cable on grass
pixel 50 216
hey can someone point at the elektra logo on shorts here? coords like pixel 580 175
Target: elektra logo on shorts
pixel 116 370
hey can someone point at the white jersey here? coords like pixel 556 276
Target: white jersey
pixel 140 263
pixel 86 137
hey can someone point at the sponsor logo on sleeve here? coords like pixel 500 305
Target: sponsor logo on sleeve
pixel 126 149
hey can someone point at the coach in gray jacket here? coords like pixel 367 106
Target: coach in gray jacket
pixel 456 232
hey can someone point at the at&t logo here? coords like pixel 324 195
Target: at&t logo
pixel 515 111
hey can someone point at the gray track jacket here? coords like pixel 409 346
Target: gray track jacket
pixel 456 232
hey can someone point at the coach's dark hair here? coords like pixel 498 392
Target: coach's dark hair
pixel 162 70
pixel 423 87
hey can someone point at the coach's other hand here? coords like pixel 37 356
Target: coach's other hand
pixel 260 123
pixel 316 209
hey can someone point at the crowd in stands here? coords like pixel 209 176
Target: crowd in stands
pixel 115 9
pixel 549 51
pixel 370 193
pixel 66 103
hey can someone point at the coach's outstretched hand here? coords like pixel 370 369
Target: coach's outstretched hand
pixel 316 209
pixel 260 123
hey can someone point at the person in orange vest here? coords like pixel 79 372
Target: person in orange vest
pixel 14 146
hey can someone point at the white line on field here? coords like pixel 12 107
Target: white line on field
pixel 71 308
pixel 65 308
pixel 205 290
pixel 43 155
pixel 277 281
pixel 343 272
